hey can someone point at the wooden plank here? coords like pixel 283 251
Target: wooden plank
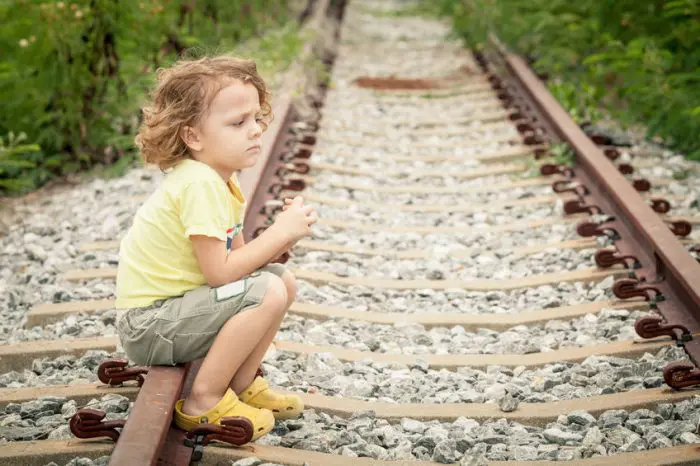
pixel 42 452
pixel 682 455
pixel 437 208
pixel 412 123
pixel 482 108
pixel 454 145
pixel 20 355
pixel 625 348
pixel 584 275
pixel 348 225
pixel 53 312
pixel 537 414
pixel 313 245
pixel 391 131
pixel 81 393
pixel 464 175
pixel 457 189
pixel 470 322
pixel 440 208
pixel 491 156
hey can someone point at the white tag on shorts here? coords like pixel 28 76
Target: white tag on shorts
pixel 230 290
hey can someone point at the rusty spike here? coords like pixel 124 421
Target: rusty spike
pixel 524 127
pixel 660 205
pixel 642 185
pixel 606 258
pixel 588 229
pixel 541 153
pixel 681 374
pixel 533 140
pixel 550 169
pixel 653 326
pixel 87 423
pixel 575 206
pixel 294 184
pixel 681 228
pixel 626 288
pixel 308 139
pixel 601 139
pixel 296 167
pixel 303 153
pixel 235 430
pixel 611 153
pixel 564 186
pixel 515 116
pixel 115 372
pixel 625 168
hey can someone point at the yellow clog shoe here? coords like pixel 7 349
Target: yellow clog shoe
pixel 259 395
pixel 230 405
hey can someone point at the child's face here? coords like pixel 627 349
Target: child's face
pixel 228 135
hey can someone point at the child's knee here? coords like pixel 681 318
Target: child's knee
pixel 276 292
pixel 290 284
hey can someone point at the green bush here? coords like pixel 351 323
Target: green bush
pixel 73 74
pixel 637 60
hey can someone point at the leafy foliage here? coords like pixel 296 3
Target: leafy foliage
pixel 73 74
pixel 638 60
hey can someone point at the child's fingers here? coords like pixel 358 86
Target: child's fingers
pixel 307 209
pixel 312 218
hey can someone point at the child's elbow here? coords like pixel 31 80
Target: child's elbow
pixel 215 280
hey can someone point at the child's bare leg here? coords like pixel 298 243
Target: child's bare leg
pixel 247 370
pixel 234 343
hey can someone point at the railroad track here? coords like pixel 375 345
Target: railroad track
pixel 463 298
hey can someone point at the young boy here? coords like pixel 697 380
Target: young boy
pixel 191 286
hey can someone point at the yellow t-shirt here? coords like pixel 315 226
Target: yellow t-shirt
pixel 156 258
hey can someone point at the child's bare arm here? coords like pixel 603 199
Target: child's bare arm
pixel 219 268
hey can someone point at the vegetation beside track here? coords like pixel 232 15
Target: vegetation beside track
pixel 636 61
pixel 74 74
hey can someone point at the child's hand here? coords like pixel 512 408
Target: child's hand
pixel 296 219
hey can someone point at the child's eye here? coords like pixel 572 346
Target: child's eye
pixel 240 123
pixel 259 119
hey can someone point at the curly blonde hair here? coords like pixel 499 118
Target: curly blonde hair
pixel 182 96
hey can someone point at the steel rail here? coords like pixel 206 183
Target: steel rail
pixel 666 264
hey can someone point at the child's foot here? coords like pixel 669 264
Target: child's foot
pixel 259 395
pixel 262 419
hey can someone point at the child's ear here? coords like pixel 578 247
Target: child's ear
pixel 190 136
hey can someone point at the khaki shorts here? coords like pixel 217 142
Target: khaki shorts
pixel 182 329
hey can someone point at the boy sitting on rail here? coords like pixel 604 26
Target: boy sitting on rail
pixel 192 287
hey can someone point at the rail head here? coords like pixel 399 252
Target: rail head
pixel 644 234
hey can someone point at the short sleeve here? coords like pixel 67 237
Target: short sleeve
pixel 204 210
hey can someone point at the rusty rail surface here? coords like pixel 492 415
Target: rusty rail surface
pixel 661 270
